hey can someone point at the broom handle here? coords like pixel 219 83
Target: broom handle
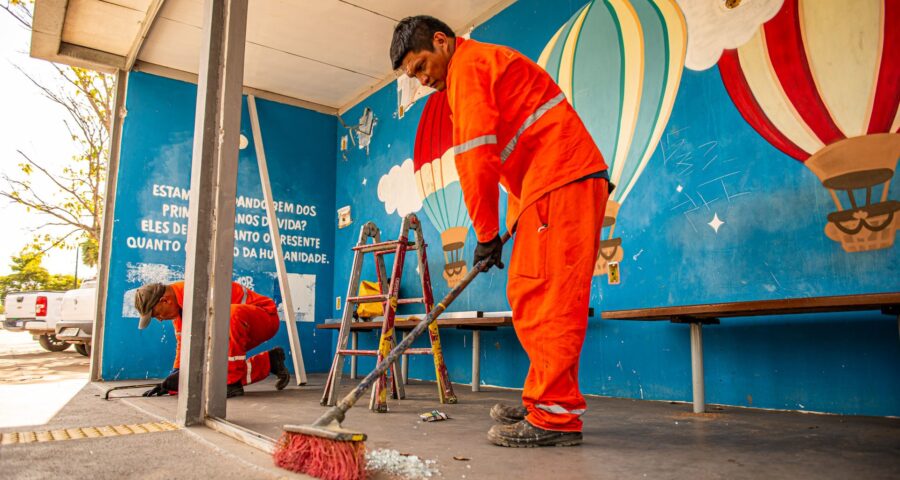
pixel 337 412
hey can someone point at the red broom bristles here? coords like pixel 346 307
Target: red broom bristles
pixel 321 457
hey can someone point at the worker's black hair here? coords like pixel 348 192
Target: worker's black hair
pixel 414 34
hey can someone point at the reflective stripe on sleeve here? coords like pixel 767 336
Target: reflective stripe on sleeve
pixel 244 297
pixel 235 359
pixel 249 371
pixel 475 143
pixel 508 150
pixel 558 410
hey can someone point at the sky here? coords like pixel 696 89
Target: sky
pixel 33 124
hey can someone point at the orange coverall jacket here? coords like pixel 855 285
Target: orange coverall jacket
pixel 254 320
pixel 513 125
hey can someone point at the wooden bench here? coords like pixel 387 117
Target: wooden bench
pixel 474 323
pixel 699 315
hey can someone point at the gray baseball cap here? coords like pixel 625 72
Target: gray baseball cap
pixel 145 299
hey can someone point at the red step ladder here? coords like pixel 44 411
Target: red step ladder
pixel 390 300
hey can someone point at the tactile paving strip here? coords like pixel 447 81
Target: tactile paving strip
pixel 85 432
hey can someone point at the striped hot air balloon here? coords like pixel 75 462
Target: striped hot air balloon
pixel 821 82
pixel 438 183
pixel 619 63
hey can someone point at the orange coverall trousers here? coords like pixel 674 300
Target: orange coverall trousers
pixel 557 240
pixel 249 327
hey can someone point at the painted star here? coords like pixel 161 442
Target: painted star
pixel 715 223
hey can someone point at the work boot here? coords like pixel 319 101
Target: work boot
pixel 525 435
pixel 508 414
pixel 276 366
pixel 234 390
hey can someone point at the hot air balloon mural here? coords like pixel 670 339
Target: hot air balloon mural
pixel 821 82
pixel 438 183
pixel 619 63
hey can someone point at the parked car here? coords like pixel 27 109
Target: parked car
pixel 37 314
pixel 76 322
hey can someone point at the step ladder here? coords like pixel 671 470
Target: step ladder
pixel 391 301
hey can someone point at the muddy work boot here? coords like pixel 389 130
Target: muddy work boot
pixel 276 366
pixel 525 435
pixel 234 390
pixel 508 414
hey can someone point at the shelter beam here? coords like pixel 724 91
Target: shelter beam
pixel 210 240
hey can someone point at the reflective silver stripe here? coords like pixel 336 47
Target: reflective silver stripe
pixel 558 410
pixel 475 143
pixel 244 298
pixel 249 371
pixel 239 357
pixel 507 151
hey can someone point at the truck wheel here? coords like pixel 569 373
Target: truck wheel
pixel 52 344
pixel 83 349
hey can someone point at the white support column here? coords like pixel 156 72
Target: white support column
pixel 290 317
pixel 476 360
pixel 109 207
pixel 697 367
pixel 210 240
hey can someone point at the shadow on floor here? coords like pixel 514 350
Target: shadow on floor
pixel 623 438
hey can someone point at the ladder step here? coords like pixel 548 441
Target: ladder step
pixel 368 299
pixel 372 353
pixel 418 351
pixel 383 246
pixel 364 353
pixel 406 301
pixel 382 297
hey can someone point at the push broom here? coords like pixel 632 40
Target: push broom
pixel 325 449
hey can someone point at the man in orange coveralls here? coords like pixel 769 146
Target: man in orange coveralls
pixel 513 125
pixel 254 319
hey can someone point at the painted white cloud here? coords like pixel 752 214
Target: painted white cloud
pixel 714 27
pixel 397 190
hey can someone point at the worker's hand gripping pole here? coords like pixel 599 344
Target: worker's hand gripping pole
pixel 336 413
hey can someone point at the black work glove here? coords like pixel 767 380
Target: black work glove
pixel 167 385
pixel 156 391
pixel 491 251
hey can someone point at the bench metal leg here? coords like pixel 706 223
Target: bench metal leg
pixel 404 364
pixel 697 367
pixel 476 361
pixel 355 345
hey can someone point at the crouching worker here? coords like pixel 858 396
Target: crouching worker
pixel 254 319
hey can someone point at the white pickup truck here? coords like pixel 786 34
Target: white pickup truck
pixel 36 313
pixel 76 321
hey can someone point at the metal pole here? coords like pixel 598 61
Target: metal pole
pixel 289 314
pixel 354 344
pixel 76 267
pixel 109 206
pixel 404 365
pixel 476 360
pixel 210 240
pixel 697 367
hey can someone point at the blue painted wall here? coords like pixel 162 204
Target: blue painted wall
pixel 771 246
pixel 154 176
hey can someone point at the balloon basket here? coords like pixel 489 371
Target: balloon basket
pixel 872 227
pixel 610 251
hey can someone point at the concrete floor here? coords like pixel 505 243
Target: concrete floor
pixel 41 391
pixel 623 438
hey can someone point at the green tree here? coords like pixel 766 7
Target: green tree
pixel 29 274
pixel 76 206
